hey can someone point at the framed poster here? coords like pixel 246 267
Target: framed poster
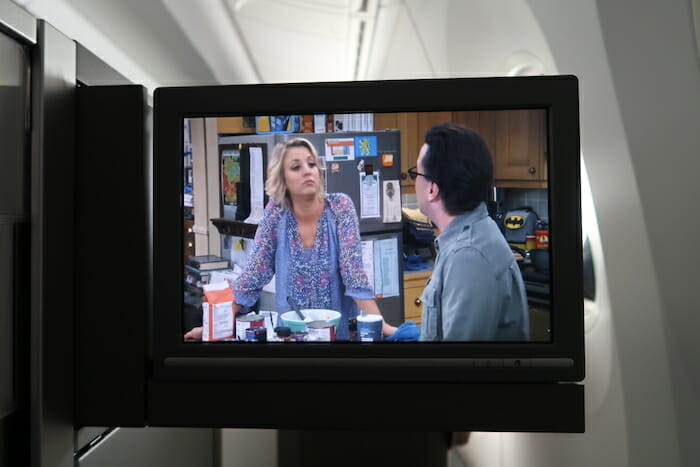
pixel 230 175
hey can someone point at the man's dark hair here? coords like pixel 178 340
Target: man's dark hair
pixel 460 163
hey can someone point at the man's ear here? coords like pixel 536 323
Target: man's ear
pixel 433 192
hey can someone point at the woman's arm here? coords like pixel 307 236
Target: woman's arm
pixel 261 262
pixel 350 257
pixel 258 270
pixel 350 247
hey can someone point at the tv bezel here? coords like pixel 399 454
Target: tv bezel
pixel 560 360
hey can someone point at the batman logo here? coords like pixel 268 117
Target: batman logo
pixel 514 222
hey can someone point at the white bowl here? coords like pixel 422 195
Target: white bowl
pixel 292 320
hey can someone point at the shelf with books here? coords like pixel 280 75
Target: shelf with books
pixel 199 271
pixel 208 262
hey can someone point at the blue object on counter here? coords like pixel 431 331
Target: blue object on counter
pixel 407 332
pixel 415 263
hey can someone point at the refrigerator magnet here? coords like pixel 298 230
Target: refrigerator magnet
pixel 366 146
pixel 340 149
pixel 387 160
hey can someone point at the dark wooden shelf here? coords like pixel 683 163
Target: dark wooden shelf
pixel 235 228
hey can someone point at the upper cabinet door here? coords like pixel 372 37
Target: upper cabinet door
pixel 520 149
pixel 515 138
pixel 483 122
pixel 425 121
pixel 407 124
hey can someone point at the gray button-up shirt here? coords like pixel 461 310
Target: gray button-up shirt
pixel 476 290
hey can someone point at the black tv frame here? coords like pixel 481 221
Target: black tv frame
pixel 188 383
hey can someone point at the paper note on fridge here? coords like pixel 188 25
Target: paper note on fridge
pixel 369 195
pixel 391 198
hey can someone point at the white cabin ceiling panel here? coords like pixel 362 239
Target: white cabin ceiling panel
pixel 302 40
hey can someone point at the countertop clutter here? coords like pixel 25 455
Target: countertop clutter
pixel 419 253
pixel 418 237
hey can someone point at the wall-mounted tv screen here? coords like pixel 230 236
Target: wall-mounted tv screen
pixel 301 232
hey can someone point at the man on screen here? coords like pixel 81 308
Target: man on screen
pixel 476 291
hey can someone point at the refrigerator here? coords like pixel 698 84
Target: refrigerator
pixel 365 165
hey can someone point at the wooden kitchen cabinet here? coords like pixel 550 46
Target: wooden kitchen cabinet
pixel 481 121
pixel 233 126
pixel 426 120
pixel 413 285
pixel 515 138
pixel 407 124
pixel 385 121
pixel 520 147
pixel 412 126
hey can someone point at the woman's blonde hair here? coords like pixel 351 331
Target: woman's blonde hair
pixel 275 186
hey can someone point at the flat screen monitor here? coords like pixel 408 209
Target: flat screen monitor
pixel 212 146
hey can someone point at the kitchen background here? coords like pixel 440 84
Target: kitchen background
pixel 516 139
pixel 512 198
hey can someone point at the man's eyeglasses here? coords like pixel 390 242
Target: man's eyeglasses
pixel 413 173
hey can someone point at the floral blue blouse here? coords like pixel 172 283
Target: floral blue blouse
pixel 329 275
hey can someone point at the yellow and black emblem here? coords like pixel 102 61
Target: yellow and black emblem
pixel 514 222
